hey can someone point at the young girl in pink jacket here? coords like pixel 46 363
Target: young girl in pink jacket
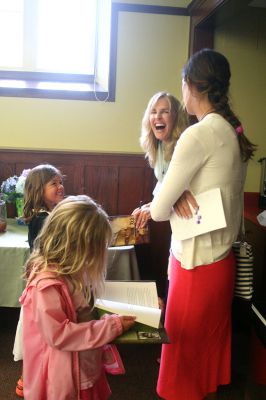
pixel 63 342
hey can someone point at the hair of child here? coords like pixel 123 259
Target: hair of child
pixel 73 243
pixel 34 188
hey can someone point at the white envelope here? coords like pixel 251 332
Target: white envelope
pixel 210 216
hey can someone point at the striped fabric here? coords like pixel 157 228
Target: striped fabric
pixel 244 270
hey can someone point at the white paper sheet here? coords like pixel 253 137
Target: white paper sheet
pixel 209 217
pixel 146 315
pixel 135 298
pixel 132 292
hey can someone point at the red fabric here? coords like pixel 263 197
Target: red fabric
pixel 198 323
pixel 100 390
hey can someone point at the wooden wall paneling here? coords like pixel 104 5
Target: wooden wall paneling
pixel 72 175
pixel 97 175
pixel 117 181
pixel 20 166
pixel 130 188
pixel 6 170
pixel 101 183
pixel 149 184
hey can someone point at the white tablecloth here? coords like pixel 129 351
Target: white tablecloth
pixel 14 251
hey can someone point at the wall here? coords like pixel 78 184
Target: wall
pixel 151 51
pixel 243 41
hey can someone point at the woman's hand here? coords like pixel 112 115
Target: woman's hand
pixel 142 215
pixel 127 322
pixel 182 208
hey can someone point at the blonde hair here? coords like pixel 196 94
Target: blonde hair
pixel 73 243
pixel 34 187
pixel 148 141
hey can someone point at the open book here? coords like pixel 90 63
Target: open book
pixel 125 231
pixel 137 298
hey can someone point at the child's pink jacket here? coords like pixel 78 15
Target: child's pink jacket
pixel 52 338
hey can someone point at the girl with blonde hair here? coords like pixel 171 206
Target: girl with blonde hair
pixel 63 343
pixel 43 190
pixel 163 122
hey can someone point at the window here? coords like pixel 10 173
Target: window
pixel 55 48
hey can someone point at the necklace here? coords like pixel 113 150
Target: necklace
pixel 206 113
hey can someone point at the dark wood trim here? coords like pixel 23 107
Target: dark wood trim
pixel 201 27
pixel 201 10
pixel 144 8
pixel 205 14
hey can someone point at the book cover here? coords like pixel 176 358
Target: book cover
pixel 141 334
pixel 125 232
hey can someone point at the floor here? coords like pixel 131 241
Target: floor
pixel 139 382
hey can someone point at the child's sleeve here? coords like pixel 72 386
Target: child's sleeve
pixel 61 333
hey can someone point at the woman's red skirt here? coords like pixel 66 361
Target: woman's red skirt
pixel 198 324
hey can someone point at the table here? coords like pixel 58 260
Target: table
pixel 14 251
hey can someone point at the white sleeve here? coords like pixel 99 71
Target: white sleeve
pixel 188 157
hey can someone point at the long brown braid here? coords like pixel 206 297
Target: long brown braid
pixel 209 71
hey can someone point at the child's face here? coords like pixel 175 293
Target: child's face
pixel 53 192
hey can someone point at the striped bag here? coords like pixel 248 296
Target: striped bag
pixel 244 270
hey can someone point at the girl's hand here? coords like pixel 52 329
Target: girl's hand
pixel 127 322
pixel 142 215
pixel 182 208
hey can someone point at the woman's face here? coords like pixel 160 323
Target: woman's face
pixel 53 192
pixel 162 119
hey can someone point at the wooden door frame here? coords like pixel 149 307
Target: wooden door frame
pixel 204 15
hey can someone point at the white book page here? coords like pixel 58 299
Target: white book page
pixel 132 292
pixel 137 298
pixel 146 315
pixel 209 217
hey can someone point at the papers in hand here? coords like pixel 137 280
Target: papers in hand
pixel 209 217
pixel 135 298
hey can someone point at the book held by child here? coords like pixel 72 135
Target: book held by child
pixel 139 299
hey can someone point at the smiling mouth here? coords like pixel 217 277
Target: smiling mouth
pixel 160 127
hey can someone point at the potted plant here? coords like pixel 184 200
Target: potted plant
pixel 12 190
pixel 20 192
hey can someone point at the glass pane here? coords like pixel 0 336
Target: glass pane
pixel 66 36
pixel 11 34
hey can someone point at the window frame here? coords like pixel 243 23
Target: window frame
pixel 95 92
pixel 27 83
